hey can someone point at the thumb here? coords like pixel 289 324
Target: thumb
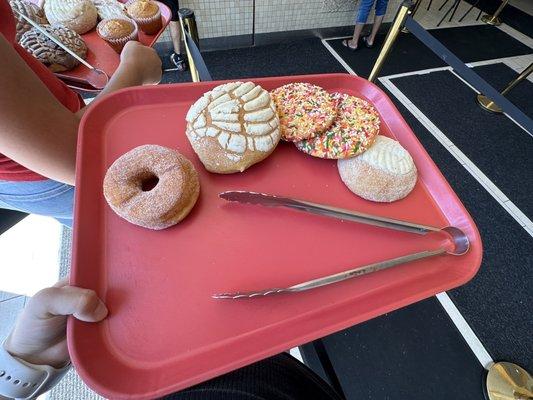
pixel 83 304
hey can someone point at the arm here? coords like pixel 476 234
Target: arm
pixel 36 130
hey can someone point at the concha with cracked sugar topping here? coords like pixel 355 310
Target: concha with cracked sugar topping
pixel 233 126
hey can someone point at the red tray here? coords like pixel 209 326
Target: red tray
pixel 164 331
pixel 101 55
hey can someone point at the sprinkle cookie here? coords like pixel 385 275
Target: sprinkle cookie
pixel 353 131
pixel 304 110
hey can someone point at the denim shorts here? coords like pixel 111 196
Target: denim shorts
pixel 48 197
pixel 366 5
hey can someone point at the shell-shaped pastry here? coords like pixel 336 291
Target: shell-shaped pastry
pixel 108 9
pixel 78 15
pixel 388 156
pixel 51 54
pixel 34 12
pixel 233 126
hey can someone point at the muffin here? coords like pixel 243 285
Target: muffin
pixel 117 32
pixel 146 14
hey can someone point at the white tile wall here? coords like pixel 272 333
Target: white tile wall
pixel 286 15
pixel 217 18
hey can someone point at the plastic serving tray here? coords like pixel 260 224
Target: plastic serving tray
pixel 102 56
pixel 165 332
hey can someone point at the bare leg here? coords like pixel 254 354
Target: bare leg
pixel 175 34
pixel 375 29
pixel 356 33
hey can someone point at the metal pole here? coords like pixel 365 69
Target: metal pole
pixel 394 30
pixel 493 19
pixel 415 9
pixel 506 380
pixel 188 25
pixel 489 105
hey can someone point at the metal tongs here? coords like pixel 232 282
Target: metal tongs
pixel 458 237
pixel 97 80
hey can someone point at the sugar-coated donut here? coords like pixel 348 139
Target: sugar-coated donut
pixel 152 186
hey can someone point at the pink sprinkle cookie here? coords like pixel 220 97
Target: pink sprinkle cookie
pixel 353 131
pixel 304 110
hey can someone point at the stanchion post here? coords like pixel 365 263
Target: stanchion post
pixel 188 25
pixel 415 9
pixel 493 19
pixel 506 380
pixel 489 105
pixel 394 30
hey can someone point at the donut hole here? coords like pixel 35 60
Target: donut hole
pixel 149 182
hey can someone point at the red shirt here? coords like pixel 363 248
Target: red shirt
pixel 9 169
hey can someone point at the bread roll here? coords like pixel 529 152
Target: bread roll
pixel 384 173
pixel 78 15
pixel 233 126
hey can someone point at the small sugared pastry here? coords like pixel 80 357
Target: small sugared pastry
pixel 384 173
pixel 30 10
pixel 353 131
pixel 108 9
pixel 117 32
pixel 78 15
pixel 152 186
pixel 304 110
pixel 233 126
pixel 49 53
pixel 147 15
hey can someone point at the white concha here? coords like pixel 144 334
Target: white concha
pixel 79 15
pixel 233 126
pixel 389 156
pixel 109 9
pixel 384 173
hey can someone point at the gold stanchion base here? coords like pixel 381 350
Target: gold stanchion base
pixel 509 381
pixel 487 104
pixel 489 19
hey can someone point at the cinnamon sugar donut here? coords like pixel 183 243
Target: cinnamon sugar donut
pixel 152 186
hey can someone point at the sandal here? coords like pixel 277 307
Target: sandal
pixel 365 41
pixel 346 44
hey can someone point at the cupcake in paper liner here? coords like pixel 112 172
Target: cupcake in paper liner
pixel 117 32
pixel 146 14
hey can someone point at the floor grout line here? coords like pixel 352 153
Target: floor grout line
pixel 477 92
pixel 466 331
pixel 516 34
pixel 494 191
pixel 338 57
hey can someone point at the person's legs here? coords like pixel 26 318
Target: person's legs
pixel 362 16
pixel 381 9
pixel 375 28
pixel 277 378
pixel 47 197
pixel 175 35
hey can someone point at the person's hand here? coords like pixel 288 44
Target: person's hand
pixel 142 61
pixel 39 336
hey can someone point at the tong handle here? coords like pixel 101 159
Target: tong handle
pixel 367 269
pixel 328 211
